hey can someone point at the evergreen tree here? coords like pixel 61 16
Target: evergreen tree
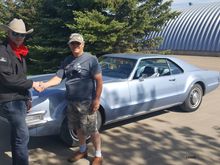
pixel 120 25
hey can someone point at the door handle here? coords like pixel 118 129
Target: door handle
pixel 173 79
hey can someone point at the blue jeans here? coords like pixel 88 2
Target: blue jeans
pixel 15 112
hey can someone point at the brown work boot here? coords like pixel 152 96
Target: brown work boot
pixel 77 155
pixel 97 161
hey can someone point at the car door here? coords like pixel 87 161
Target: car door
pixel 153 90
pixel 180 80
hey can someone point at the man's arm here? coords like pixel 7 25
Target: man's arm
pixel 99 84
pixel 52 82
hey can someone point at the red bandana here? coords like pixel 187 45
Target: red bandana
pixel 19 51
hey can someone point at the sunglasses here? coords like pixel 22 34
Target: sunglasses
pixel 18 34
pixel 75 43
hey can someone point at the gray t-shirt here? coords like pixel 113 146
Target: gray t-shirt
pixel 79 73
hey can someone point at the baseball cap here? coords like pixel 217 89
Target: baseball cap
pixel 76 37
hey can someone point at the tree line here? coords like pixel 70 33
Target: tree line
pixel 107 26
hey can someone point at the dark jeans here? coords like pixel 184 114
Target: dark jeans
pixel 15 112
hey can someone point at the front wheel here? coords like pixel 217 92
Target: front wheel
pixel 69 136
pixel 193 99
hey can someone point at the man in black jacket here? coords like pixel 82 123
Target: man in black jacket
pixel 14 85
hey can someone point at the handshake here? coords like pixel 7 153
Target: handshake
pixel 39 86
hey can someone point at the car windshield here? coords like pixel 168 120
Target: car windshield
pixel 117 67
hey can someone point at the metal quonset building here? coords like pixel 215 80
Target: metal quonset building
pixel 195 31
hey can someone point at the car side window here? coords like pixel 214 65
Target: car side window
pixel 174 68
pixel 150 68
pixel 163 67
pixel 141 67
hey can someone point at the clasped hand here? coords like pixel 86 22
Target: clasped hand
pixel 39 86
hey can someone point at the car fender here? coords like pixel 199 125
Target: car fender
pixel 191 80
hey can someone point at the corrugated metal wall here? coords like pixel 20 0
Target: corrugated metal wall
pixel 195 29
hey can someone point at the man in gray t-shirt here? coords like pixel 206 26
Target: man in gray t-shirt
pixel 79 73
pixel 83 90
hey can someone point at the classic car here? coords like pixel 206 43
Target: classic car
pixel 134 84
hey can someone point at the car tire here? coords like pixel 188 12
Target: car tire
pixel 69 136
pixel 193 100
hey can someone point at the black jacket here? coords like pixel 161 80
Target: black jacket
pixel 14 84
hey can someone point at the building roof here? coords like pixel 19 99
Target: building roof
pixel 196 29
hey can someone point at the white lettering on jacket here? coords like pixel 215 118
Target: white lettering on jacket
pixel 2 59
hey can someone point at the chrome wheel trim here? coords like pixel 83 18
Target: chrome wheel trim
pixel 73 132
pixel 195 97
pixel 74 135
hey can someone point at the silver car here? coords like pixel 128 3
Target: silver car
pixel 134 84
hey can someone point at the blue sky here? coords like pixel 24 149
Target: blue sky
pixel 179 4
